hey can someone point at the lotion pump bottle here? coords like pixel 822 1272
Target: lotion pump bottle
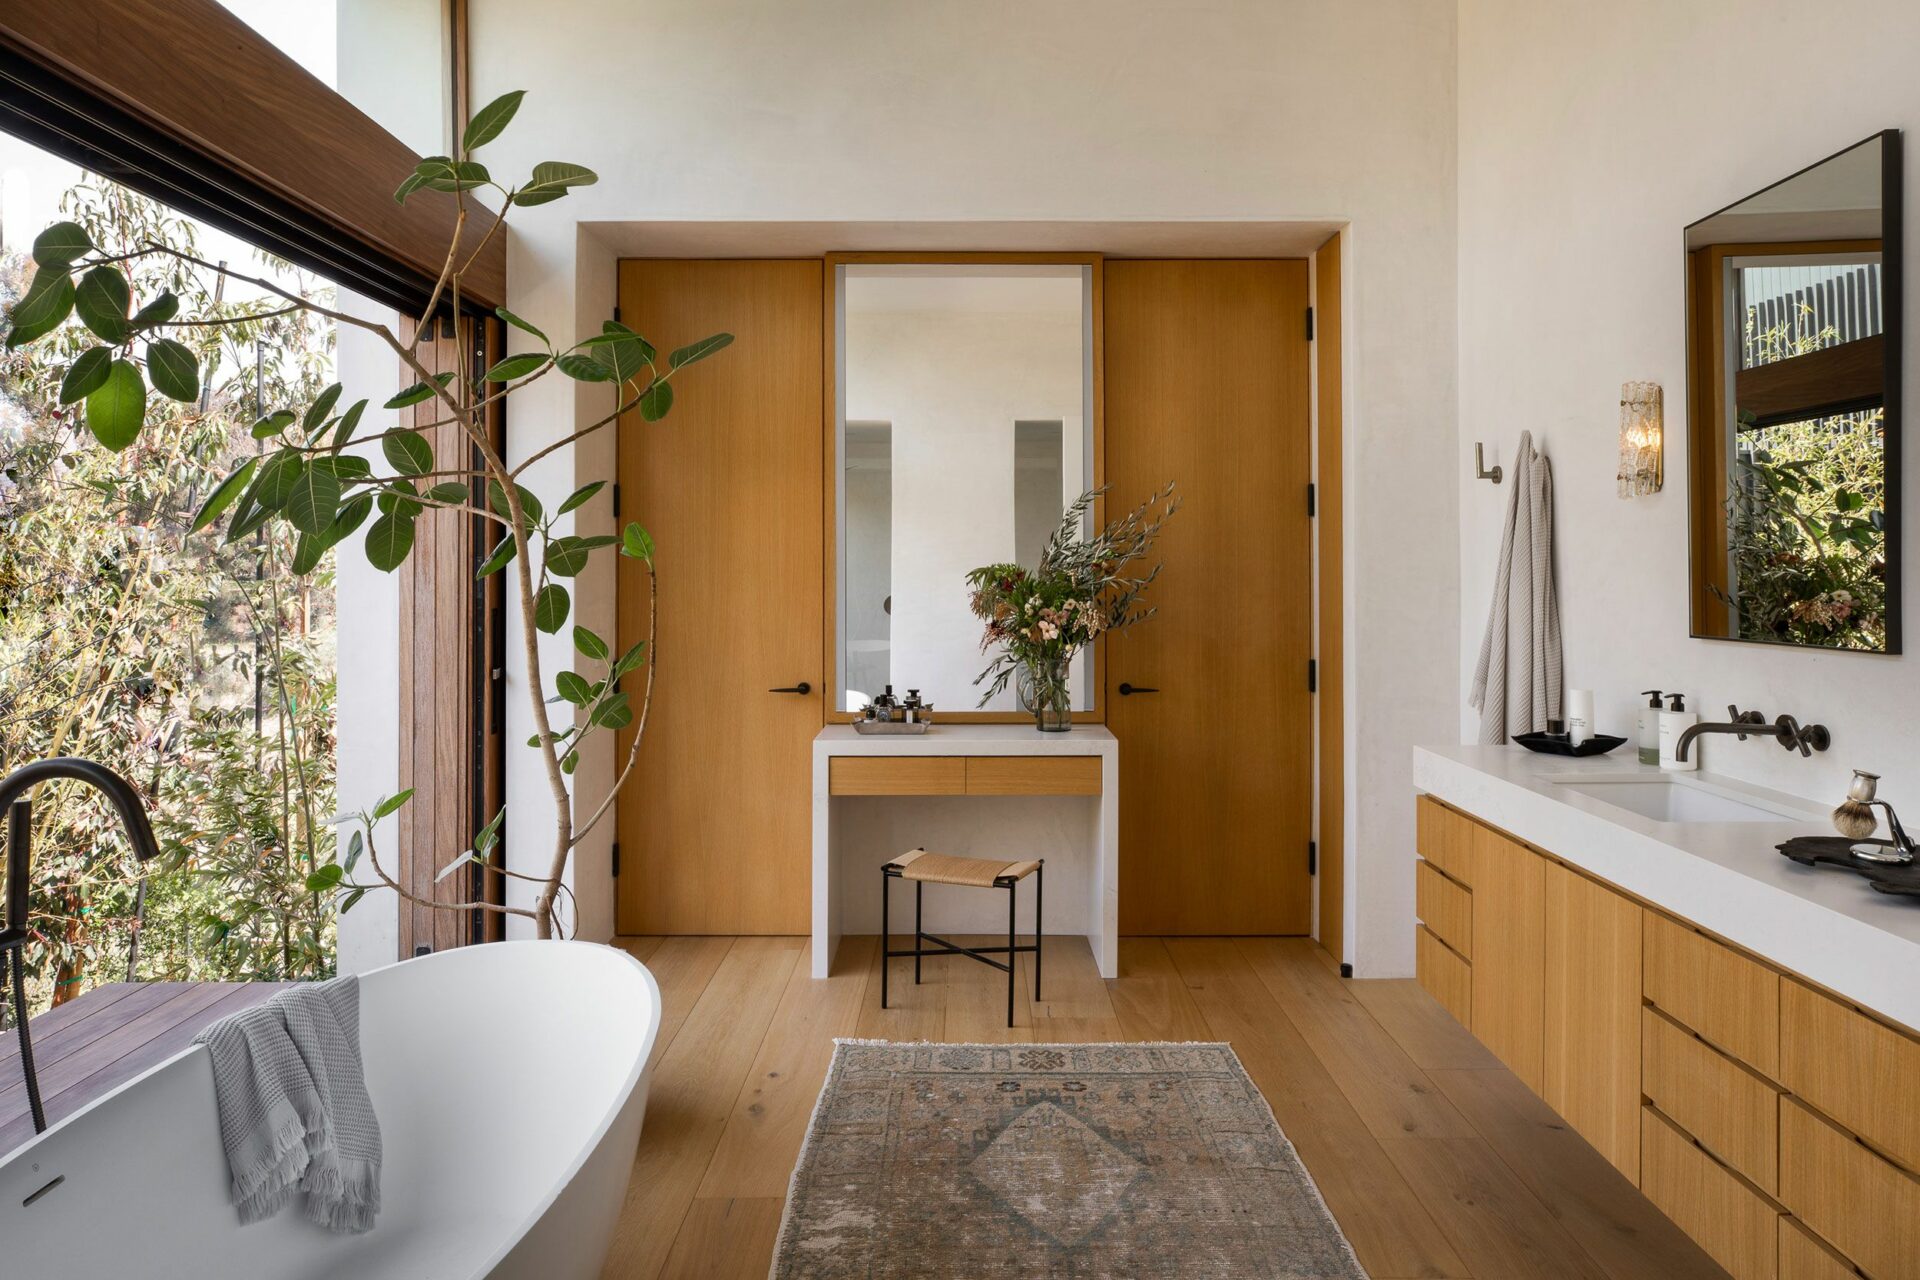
pixel 1649 727
pixel 1674 721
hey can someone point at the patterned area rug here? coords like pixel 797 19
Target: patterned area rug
pixel 974 1162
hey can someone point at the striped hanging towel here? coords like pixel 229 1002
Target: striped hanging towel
pixel 1519 694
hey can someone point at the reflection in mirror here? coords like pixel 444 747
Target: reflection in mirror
pixel 1793 310
pixel 964 428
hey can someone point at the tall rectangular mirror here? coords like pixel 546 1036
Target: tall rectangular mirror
pixel 1793 408
pixel 963 427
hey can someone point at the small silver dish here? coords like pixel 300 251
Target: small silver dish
pixel 897 728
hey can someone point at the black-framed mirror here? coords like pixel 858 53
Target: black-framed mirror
pixel 1793 408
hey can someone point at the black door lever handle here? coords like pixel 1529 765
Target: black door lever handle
pixel 1127 690
pixel 802 687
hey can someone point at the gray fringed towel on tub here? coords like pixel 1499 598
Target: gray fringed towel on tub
pixel 295 1115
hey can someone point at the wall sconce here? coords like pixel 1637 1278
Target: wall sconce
pixel 1642 452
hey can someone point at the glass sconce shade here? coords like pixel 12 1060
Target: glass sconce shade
pixel 1641 430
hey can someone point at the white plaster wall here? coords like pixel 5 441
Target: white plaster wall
pixel 1590 135
pixel 952 384
pixel 1076 110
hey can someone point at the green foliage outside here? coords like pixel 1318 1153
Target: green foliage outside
pixel 125 641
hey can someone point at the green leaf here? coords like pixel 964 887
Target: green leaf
pixel 419 392
pixel 308 551
pixel 350 517
pixel 590 644
pixel 656 400
pixel 117 407
pixel 451 492
pixel 388 542
pixel 60 244
pixel 566 557
pixel 174 369
pixel 503 552
pixel 157 312
pixel 630 660
pixel 497 499
pixel 314 501
pixel 581 496
pixel 273 424
pixel 349 423
pixel 347 466
pixel 352 900
pixel 407 187
pixel 552 179
pixel 613 712
pixel 516 367
pixel 324 878
pixel 400 499
pixel 569 762
pixel 550 608
pixel 322 406
pixel 583 368
pixel 391 805
pixel 248 516
pixel 86 373
pixel 46 306
pixel 355 847
pixel 442 173
pixel 102 299
pixel 490 834
pixel 637 543
pixel 489 120
pixel 408 452
pixel 621 350
pixel 278 476
pixel 698 351
pixel 520 324
pixel 573 688
pixel 224 495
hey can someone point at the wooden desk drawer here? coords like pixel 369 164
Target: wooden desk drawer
pixel 1804 1257
pixel 1444 975
pixel 1850 1197
pixel 1033 775
pixel 897 775
pixel 1445 839
pixel 1730 1110
pixel 1731 1001
pixel 1863 1073
pixel 1734 1223
pixel 1444 907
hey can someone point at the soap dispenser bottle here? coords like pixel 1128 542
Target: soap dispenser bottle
pixel 1674 721
pixel 1649 727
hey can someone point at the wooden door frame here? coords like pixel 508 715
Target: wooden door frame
pixel 1327 278
pixel 829 437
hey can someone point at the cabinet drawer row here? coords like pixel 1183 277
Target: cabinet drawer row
pixel 963 775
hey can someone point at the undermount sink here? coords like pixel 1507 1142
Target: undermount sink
pixel 1682 800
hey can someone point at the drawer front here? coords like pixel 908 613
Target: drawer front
pixel 1727 1218
pixel 1033 775
pixel 1731 1111
pixel 1803 1257
pixel 897 775
pixel 1862 1073
pixel 1445 838
pixel 1850 1197
pixel 1444 907
pixel 1733 1002
pixel 1444 975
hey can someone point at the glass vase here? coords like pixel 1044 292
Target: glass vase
pixel 1044 690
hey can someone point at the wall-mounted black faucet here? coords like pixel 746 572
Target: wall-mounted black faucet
pixel 1787 731
pixel 13 929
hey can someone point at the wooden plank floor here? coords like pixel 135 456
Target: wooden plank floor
pixel 1435 1159
pixel 105 1037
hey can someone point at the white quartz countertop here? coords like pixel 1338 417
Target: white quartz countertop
pixel 968 740
pixel 1727 877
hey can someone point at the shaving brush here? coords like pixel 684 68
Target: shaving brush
pixel 1856 820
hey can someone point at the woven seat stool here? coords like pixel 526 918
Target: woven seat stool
pixel 925 868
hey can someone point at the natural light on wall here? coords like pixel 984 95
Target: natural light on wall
pixel 1641 461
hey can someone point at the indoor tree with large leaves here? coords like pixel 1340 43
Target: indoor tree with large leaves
pixel 307 478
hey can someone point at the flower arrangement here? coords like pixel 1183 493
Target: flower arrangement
pixel 1040 618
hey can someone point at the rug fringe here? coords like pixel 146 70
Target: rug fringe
pixel 1047 1044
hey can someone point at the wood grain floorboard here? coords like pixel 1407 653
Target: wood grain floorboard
pixel 1434 1159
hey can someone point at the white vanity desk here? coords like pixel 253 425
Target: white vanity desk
pixel 975 762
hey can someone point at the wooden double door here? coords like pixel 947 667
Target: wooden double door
pixel 1205 385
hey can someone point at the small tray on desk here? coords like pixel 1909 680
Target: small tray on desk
pixel 1831 851
pixel 891 728
pixel 1558 744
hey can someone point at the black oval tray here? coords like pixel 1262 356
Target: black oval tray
pixel 1556 744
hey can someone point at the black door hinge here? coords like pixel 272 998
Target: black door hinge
pixel 616 857
pixel 1313 501
pixel 616 498
pixel 1309 324
pixel 616 313
pixel 1313 858
pixel 1313 675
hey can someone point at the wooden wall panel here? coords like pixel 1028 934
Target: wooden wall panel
pixel 1509 948
pixel 1592 1009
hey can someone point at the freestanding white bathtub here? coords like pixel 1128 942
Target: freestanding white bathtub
pixel 510 1081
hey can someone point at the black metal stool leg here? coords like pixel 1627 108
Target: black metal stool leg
pixel 919 938
pixel 1013 958
pixel 886 939
pixel 1039 891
